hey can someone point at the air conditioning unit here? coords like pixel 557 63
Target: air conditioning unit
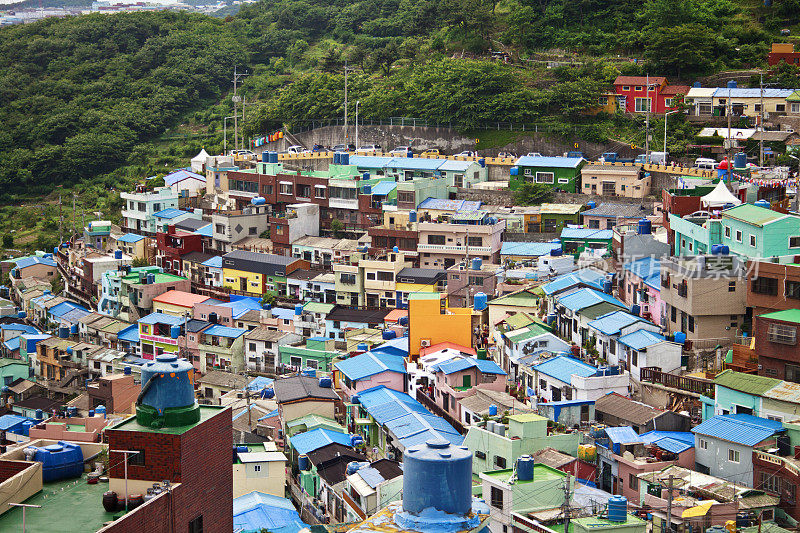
pixel 424 343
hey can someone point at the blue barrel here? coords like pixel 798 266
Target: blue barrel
pixel 354 399
pixel 325 382
pixel 175 332
pixel 412 216
pixel 63 332
pixel 273 157
pixel 514 171
pixel 127 370
pixel 731 84
pixel 365 176
pixel 724 249
pixel 389 334
pixel 298 309
pixel 493 410
pixel 345 159
pixel 117 254
pixel 337 158
pixel 73 329
pixel 403 321
pixel 362 347
pixel 355 440
pixel 645 226
pixel 366 189
pixel 69 350
pixel 680 337
pixel 525 468
pixel 396 250
pixel 258 200
pixel 608 286
pixel 617 509
pixel 762 203
pixel 265 157
pixel 151 278
pixel 55 249
pixel 482 162
pixel 437 474
pixel 303 463
pixel 91 413
pixel 635 309
pixel 268 393
pixel 309 372
pixel 39 414
pixel 715 249
pixel 591 204
pixel 740 160
pixel 477 262
pixel 556 252
pixel 479 301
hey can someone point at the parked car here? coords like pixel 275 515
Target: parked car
pixel 401 150
pixel 467 153
pixel 705 163
pixel 506 155
pixel 368 148
pixel 431 151
pixel 318 148
pixel 533 154
pixel 295 149
pixel 613 157
pixel 242 153
pixel 344 148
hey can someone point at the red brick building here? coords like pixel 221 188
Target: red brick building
pixel 634 93
pixel 173 245
pixel 783 52
pixel 778 476
pixel 776 343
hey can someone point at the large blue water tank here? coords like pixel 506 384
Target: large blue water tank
pixel 303 463
pixel 265 157
pixel 172 385
pixel 482 162
pixel 697 85
pixel 39 415
pixel 479 301
pixel 477 262
pixel 591 204
pixel 273 157
pixel 635 309
pixel 73 329
pixel 715 249
pixel 608 286
pixel 514 171
pixel 403 321
pixel 175 332
pixel 117 254
pixel 362 347
pixel 151 278
pixel 556 252
pixel 617 509
pixel 63 332
pixel 493 410
pixel 69 350
pixel 59 461
pixel 396 249
pixel 412 216
pixel 325 382
pixel 22 314
pixel 740 160
pixel 645 226
pixel 680 337
pixel 268 393
pixel 258 200
pixel 439 475
pixel 298 309
pixel 731 84
pixel 762 203
pixel 337 158
pixel 100 410
pixel 309 372
pixel 389 334
pixel 345 158
pixel 525 468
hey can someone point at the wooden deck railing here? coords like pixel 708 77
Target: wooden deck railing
pixel 674 381
pixel 426 400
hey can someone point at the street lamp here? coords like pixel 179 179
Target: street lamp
pixel 667 114
pixel 24 508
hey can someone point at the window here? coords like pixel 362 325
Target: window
pixel 793 289
pixel 668 102
pixel 642 105
pixel 319 191
pixel 639 88
pixel 528 172
pixel 563 181
pixel 436 239
pixel 603 100
pixel 633 482
pixel 497 498
pixel 347 279
pixel 499 462
pixel 266 189
pixel 780 108
pixel 770 483
pixel 752 240
pixel 768 286
pixel 731 286
pixel 738 236
pixel 385 276
pixel 626 87
pixel 295 361
pixel 196 525
pixel 673 314
pixel 286 188
pixel 691 323
pixel 733 455
pixel 727 232
pixel 782 334
pixel 794 242
pixel 256 468
pixel 136 459
pixel 634 358
pixel 480 455
pixel 476 280
pixel 651 88
pixel 795 108
pixel 405 197
pixel 474 241
pixel 703 444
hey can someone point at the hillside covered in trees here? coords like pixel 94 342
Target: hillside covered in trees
pixel 91 98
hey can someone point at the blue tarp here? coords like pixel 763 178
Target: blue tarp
pixel 257 511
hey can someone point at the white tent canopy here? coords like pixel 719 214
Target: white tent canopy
pixel 199 161
pixel 720 196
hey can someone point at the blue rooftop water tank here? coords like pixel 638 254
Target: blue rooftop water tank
pixel 258 200
pixel 39 415
pixel 175 332
pixel 680 337
pixel 265 157
pixel 298 309
pixel 268 393
pixel 337 158
pixel 635 309
pixel 127 370
pixel 63 332
pixel 740 160
pixel 762 203
pixel 724 249
pixel 59 461
pixel 696 85
pixel 151 278
pixel 325 382
pixel 273 157
pixel 303 463
pixel 412 216
pixel 100 410
pixel 70 350
pixel 365 176
pixel 345 160
pixel 645 226
pixel 22 314
pixel 477 262
pixel 362 347
pixel 591 204
pixel 514 171
pixel 309 372
pixel 715 249
pixel 482 162
pixel 396 250
pixel 617 509
pixel 525 468
pixel 493 410
pixel 73 329
pixel 172 383
pixel 731 84
pixel 117 254
pixel 439 475
pixel 479 301
pixel 556 252
pixel 389 334
pixel 608 286
pixel 403 321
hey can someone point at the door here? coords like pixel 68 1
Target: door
pixel 605 477
pixel 584 413
pixel 609 188
pixel 467 381
pixel 243 284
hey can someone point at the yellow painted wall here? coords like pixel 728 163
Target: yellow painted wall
pixel 252 278
pixel 426 321
pixel 169 309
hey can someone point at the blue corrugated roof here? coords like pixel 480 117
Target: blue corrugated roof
pixel 180 175
pixel 673 445
pixel 371 476
pixel 308 441
pixel 63 308
pixel 161 318
pixel 12 344
pixel 622 435
pixel 225 331
pixel 9 421
pixel 724 92
pixel 458 364
pixel 369 364
pixel 130 238
pixel 205 231
pixel 239 305
pixel 686 437
pixel 383 188
pixel 641 339
pixel 747 430
pixel 396 346
pixel 583 298
pixel 271 414
pixel 648 269
pixel 612 323
pixel 587 233
pixel 214 262
pixel 169 213
pixel 34 260
pixel 283 313
pixel 587 276
pixel 129 334
pixel 369 161
pixel 260 382
pixel 562 368
pixel 443 204
pixel 256 511
pixel 544 161
pixel 528 249
pixel 19 327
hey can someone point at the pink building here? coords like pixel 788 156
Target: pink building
pixel 368 370
pixel 640 285
pixel 629 469
pixel 456 377
pixel 72 429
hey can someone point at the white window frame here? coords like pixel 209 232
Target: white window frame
pixel 528 172
pixel 727 232
pixel 552 177
pixel 703 444
pixel 640 109
pixel 734 456
pixel 563 181
pixel 753 240
pixel 793 237
pixel 738 235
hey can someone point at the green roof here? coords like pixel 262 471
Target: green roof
pixel 424 296
pixel 532 330
pixel 747 383
pixel 598 310
pixel 131 424
pixel 794 97
pixel 789 315
pixel 318 307
pixel 523 299
pixel 519 320
pixel 527 417
pixel 541 473
pixel 757 216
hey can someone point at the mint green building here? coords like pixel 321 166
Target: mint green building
pixel 318 353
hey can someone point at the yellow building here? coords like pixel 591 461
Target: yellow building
pixel 431 322
pixel 177 303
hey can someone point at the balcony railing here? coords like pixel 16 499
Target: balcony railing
pixel 449 248
pixel 428 402
pixel 674 381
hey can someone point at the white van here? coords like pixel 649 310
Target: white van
pixel 705 163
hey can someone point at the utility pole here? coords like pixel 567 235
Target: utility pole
pixel 565 507
pixel 761 123
pixel 346 132
pixel 236 99
pixel 648 103
pixel 60 221
pixel 74 223
pixel 358 102
pixel 244 145
pixel 669 504
pixel 729 111
pixel 249 412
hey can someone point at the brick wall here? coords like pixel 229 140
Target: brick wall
pixel 11 468
pixel 161 450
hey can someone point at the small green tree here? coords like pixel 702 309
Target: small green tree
pixel 139 262
pixel 337 227
pixel 533 194
pixel 8 241
pixel 56 285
